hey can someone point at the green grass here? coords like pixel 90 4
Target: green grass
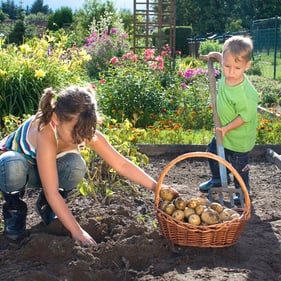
pixel 265 62
pixel 175 137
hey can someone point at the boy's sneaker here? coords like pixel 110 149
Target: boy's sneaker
pixel 14 220
pixel 44 209
pixel 213 182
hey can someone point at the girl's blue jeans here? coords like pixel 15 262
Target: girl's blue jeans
pixel 16 173
pixel 238 160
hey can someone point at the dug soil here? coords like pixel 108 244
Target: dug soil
pixel 131 245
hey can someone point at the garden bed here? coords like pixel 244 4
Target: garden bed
pixel 131 248
pixel 258 152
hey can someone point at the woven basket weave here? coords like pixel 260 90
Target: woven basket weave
pixel 184 234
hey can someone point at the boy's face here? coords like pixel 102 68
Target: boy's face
pixel 233 70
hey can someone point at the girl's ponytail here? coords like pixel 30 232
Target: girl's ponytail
pixel 46 108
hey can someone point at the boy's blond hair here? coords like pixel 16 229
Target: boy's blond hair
pixel 239 46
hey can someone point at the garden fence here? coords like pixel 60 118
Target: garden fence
pixel 266 35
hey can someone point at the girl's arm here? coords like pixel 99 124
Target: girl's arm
pixel 46 162
pixel 120 164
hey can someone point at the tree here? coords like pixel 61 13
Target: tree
pixel 17 34
pixel 3 16
pixel 60 19
pixel 39 7
pixel 9 8
pixel 217 16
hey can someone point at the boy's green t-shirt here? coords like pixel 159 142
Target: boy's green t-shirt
pixel 240 100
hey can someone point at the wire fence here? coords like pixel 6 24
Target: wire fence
pixel 267 46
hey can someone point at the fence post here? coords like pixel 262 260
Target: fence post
pixel 275 46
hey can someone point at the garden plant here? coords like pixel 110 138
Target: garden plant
pixel 142 99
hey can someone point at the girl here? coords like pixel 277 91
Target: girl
pixel 44 151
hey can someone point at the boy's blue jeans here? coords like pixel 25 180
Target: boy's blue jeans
pixel 16 173
pixel 238 160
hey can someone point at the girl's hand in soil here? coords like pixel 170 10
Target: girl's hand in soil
pixel 84 237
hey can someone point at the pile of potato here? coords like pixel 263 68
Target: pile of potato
pixel 196 211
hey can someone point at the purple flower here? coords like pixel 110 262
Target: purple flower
pixel 189 73
pixel 183 85
pixel 113 30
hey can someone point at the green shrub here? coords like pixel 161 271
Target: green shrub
pixel 131 89
pixel 29 68
pixel 268 89
pixel 209 46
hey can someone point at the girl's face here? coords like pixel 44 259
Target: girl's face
pixel 234 70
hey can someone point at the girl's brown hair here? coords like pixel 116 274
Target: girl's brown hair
pixel 72 102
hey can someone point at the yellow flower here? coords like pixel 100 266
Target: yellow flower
pixel 3 73
pixel 40 73
pixel 64 67
pixel 25 48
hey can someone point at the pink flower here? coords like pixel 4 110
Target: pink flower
pixel 114 60
pixel 183 85
pixel 180 73
pixel 148 54
pixel 130 56
pixel 154 65
pixel 113 30
pixel 160 61
pixel 102 81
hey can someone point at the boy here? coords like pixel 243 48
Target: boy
pixel 237 102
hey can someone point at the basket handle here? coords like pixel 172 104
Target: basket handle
pixel 202 155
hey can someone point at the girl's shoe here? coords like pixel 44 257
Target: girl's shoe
pixel 14 219
pixel 44 209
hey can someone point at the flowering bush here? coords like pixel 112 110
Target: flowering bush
pixel 131 88
pixel 27 69
pixel 104 43
pixel 143 91
pixel 189 103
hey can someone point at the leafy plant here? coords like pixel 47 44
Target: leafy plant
pixel 31 67
pixel 132 89
pixel 209 46
pixel 101 179
pixel 107 40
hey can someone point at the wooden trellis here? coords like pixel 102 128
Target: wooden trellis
pixel 151 17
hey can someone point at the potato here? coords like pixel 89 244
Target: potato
pixel 199 209
pixel 226 214
pixel 188 211
pixel 164 204
pixel 170 209
pixel 194 219
pixel 216 206
pixel 180 203
pixel 178 214
pixel 203 201
pixel 167 194
pixel 235 216
pixel 210 216
pixel 192 203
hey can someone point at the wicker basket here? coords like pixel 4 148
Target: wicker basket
pixel 184 234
